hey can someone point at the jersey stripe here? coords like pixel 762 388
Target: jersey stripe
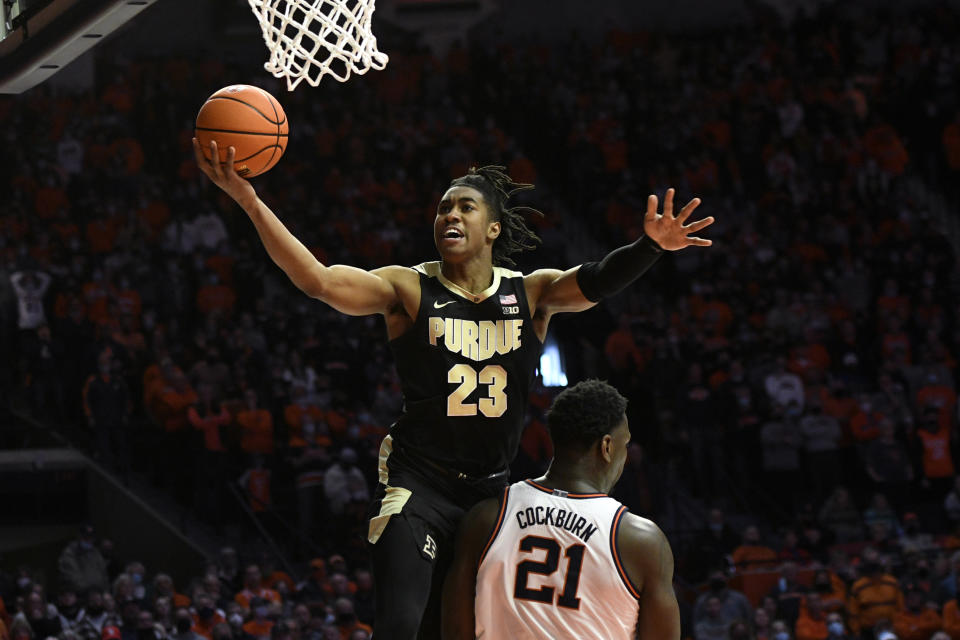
pixel 567 495
pixel 615 552
pixel 496 529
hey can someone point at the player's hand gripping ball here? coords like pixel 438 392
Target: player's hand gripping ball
pixel 246 118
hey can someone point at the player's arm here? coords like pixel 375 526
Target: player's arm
pixel 648 561
pixel 347 289
pixel 579 288
pixel 460 587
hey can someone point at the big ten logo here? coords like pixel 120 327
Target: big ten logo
pixel 430 547
pixel 511 311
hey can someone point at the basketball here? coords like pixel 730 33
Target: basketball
pixel 246 118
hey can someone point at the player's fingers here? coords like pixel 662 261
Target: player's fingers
pixel 700 242
pixel 693 227
pixel 215 159
pixel 198 155
pixel 688 209
pixel 668 202
pixel 228 163
pixel 651 207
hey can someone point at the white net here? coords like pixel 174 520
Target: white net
pixel 309 39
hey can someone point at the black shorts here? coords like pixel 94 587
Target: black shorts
pixel 429 498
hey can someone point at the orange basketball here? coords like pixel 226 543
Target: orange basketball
pixel 246 118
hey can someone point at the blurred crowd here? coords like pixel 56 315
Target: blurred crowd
pixel 95 597
pixel 799 376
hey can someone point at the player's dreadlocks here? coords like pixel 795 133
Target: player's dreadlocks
pixel 497 188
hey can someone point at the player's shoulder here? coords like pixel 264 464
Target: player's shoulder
pixel 639 531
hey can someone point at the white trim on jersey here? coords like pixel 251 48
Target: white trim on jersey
pixel 432 269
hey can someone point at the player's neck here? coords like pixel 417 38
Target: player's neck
pixel 473 276
pixel 572 478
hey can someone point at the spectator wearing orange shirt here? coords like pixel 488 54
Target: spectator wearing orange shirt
pixel 938 468
pixel 347 621
pixel 207 617
pixel 259 626
pixel 812 621
pixel 215 296
pixel 875 596
pixel 753 554
pixel 621 348
pixel 256 426
pixel 253 589
pixel 209 418
pixel 918 619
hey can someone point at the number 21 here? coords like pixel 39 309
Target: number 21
pixel 549 565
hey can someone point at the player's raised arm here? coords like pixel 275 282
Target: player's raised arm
pixel 581 287
pixel 347 289
pixel 648 560
pixel 460 587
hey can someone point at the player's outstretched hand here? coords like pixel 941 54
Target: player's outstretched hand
pixel 223 174
pixel 668 230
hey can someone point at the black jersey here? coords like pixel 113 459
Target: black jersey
pixel 466 366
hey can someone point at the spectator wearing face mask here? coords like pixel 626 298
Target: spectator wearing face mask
pixel 207 616
pixel 733 604
pixel 346 618
pixel 69 609
pixel 183 626
pixel 874 597
pixel 836 630
pixel 779 630
pixel 259 625
pixel 95 617
pixel 918 619
pixel 81 565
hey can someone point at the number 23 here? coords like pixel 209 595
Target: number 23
pixel 492 406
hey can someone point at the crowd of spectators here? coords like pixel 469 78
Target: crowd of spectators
pixel 799 375
pixel 95 598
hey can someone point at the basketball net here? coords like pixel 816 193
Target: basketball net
pixel 309 39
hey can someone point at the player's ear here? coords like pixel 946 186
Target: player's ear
pixel 606 447
pixel 493 230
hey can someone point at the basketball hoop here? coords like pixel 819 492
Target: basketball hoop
pixel 309 39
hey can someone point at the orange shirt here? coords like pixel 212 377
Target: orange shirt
pixel 937 462
pixel 256 430
pixel 258 489
pixel 244 597
pixel 809 629
pixel 951 619
pixel 279 576
pixel 872 599
pixel 346 631
pixel 751 557
pixel 172 407
pixel 216 297
pixel 951 145
pixel 205 629
pixel 258 629
pixel 916 626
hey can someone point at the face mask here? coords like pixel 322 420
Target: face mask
pixel 86 546
pixel 781 635
pixel 23 583
pixel 236 620
pixel 205 612
pixel 94 611
pixel 137 578
pixel 835 628
pixel 716 527
pixel 717 585
pixel 345 618
pixel 260 612
pixel 183 625
pixel 824 587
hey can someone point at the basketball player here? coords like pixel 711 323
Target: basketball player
pixel 466 336
pixel 557 557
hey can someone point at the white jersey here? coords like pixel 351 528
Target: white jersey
pixel 551 569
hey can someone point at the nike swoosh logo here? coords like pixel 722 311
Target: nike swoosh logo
pixel 437 305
